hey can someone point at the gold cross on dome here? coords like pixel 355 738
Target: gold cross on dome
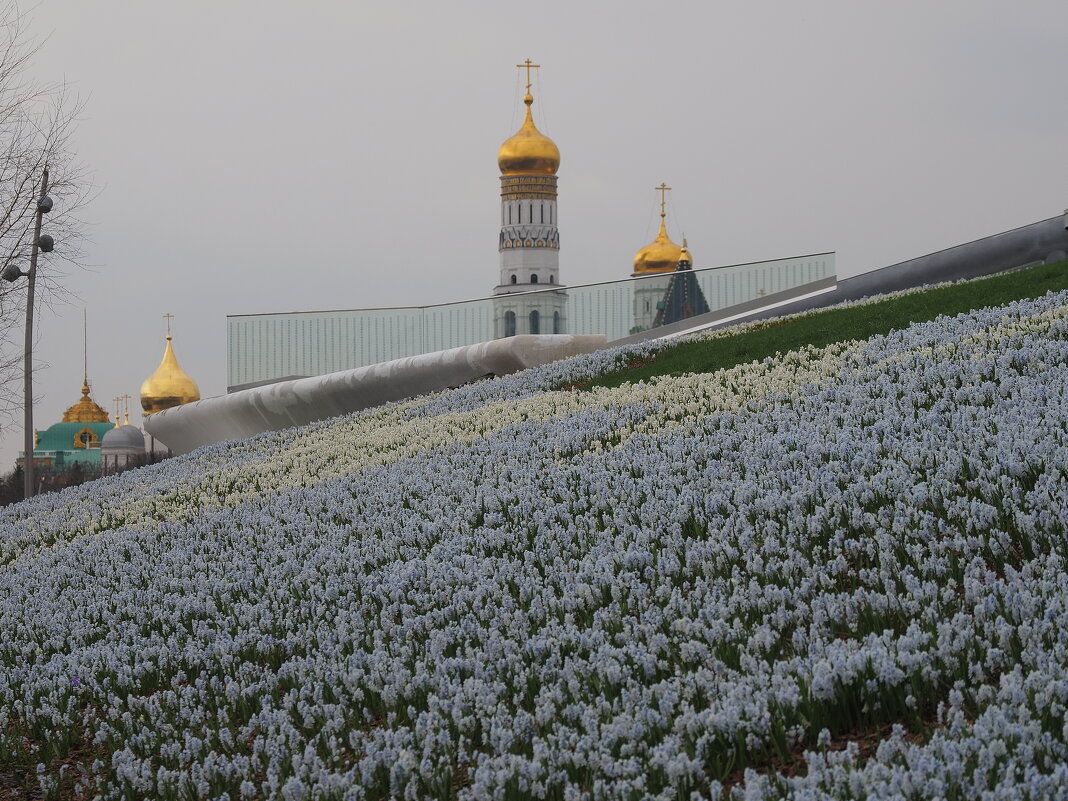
pixel 168 317
pixel 663 189
pixel 528 67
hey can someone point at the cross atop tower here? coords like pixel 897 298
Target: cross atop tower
pixel 168 317
pixel 528 67
pixel 663 189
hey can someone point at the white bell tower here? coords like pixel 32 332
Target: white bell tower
pixel 529 243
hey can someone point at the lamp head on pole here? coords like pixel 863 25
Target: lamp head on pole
pixel 11 273
pixel 44 204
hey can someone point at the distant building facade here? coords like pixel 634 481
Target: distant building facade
pixel 529 297
pixel 86 444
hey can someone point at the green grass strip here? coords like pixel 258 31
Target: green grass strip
pixel 835 325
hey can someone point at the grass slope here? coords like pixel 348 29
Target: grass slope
pixel 836 325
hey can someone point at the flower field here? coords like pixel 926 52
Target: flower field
pixel 839 573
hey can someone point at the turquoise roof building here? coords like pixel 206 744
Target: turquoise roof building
pixel 75 439
pixel 62 444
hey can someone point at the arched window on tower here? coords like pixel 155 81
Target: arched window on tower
pixel 534 278
pixel 514 279
pixel 535 322
pixel 556 323
pixel 552 279
pixel 509 323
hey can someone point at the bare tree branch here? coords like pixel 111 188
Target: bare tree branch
pixel 37 125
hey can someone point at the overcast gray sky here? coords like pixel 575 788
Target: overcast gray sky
pixel 262 156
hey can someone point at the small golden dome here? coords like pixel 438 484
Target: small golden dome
pixel 684 253
pixel 529 152
pixel 169 386
pixel 659 256
pixel 86 410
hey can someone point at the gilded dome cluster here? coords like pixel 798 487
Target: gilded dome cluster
pixel 529 151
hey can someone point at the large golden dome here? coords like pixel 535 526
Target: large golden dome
pixel 86 410
pixel 529 152
pixel 169 386
pixel 659 256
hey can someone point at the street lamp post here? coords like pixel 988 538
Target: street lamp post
pixel 13 273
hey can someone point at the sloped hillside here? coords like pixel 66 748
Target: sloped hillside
pixel 838 572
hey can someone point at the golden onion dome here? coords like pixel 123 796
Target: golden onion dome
pixel 529 151
pixel 659 256
pixel 169 386
pixel 86 410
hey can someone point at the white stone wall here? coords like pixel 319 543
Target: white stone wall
pixel 524 263
pixel 528 211
pixel 115 460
